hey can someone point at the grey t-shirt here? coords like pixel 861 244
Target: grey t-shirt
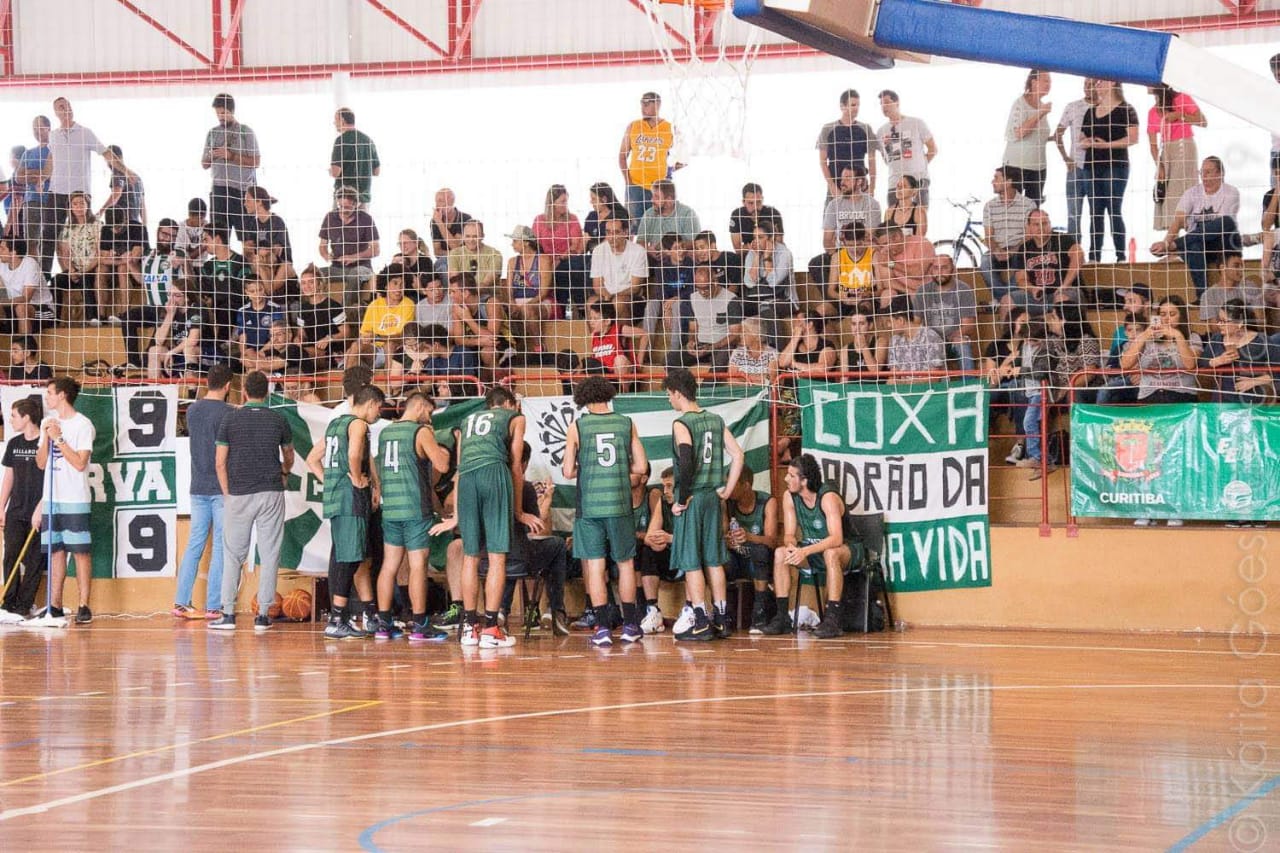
pixel 239 138
pixel 713 315
pixel 861 208
pixel 943 310
pixel 1215 297
pixel 1164 355
pixel 203 419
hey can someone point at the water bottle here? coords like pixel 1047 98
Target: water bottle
pixel 734 529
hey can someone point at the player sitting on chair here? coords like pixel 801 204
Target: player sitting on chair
pixel 813 539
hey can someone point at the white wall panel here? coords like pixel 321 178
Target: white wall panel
pixel 57 36
pixel 295 32
pixel 534 27
pixel 376 38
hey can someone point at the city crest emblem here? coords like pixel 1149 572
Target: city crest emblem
pixel 1131 450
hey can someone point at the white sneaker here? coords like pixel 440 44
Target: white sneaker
pixel 1015 454
pixel 1174 522
pixel 684 622
pixel 42 619
pixel 8 618
pixel 470 636
pixel 1142 522
pixel 496 638
pixel 652 623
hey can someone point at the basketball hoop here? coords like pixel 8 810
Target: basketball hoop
pixel 708 55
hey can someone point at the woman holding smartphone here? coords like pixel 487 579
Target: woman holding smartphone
pixel 1165 345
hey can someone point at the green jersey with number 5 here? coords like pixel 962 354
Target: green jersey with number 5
pixel 486 439
pixel 707 431
pixel 604 465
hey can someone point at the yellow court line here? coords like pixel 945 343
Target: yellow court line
pixel 103 761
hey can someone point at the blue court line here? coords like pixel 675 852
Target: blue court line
pixel 644 753
pixel 367 842
pixel 1226 814
pixel 18 743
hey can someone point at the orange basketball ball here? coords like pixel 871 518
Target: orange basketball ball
pixel 297 605
pixel 273 611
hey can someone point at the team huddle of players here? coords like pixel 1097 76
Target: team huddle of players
pixel 603 452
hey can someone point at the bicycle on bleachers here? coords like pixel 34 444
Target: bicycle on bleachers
pixel 968 247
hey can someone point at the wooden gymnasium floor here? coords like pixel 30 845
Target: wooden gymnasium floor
pixel 155 736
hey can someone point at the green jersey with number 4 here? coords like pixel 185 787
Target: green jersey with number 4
pixel 341 497
pixel 406 478
pixel 707 431
pixel 604 465
pixel 486 439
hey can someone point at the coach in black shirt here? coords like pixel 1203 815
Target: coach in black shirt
pixel 254 456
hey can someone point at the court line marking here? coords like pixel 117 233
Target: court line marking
pixel 146 781
pixel 1039 646
pixel 490 821
pixel 155 750
pixel 1225 815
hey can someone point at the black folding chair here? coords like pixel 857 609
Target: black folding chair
pixel 868 530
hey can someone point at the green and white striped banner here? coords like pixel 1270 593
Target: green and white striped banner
pixel 306 541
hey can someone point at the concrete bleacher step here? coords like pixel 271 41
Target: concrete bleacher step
pixel 566 334
pixel 71 347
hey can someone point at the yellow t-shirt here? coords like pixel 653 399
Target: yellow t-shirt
pixel 384 321
pixel 854 276
pixel 650 147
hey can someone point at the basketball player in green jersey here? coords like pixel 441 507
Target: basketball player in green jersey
pixel 603 450
pixel 752 537
pixel 655 550
pixel 700 440
pixel 489 477
pixel 341 463
pixel 813 537
pixel 408 457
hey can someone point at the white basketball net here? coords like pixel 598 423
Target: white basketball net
pixel 708 96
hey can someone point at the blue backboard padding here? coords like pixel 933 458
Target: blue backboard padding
pixel 1025 41
pixel 755 12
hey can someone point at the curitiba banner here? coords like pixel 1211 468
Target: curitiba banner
pixel 918 454
pixel 1188 460
pixel 547 420
pixel 132 476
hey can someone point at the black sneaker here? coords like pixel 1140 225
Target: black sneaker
pixel 261 623
pixel 84 615
pixel 829 628
pixel 759 615
pixel 779 624
pixel 700 631
pixel 560 623
pixel 226 623
pixel 722 626
pixel 586 622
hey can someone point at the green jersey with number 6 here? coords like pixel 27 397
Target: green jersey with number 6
pixel 341 497
pixel 486 439
pixel 406 478
pixel 604 465
pixel 707 431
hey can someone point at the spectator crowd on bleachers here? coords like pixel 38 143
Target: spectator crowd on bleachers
pixel 225 283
